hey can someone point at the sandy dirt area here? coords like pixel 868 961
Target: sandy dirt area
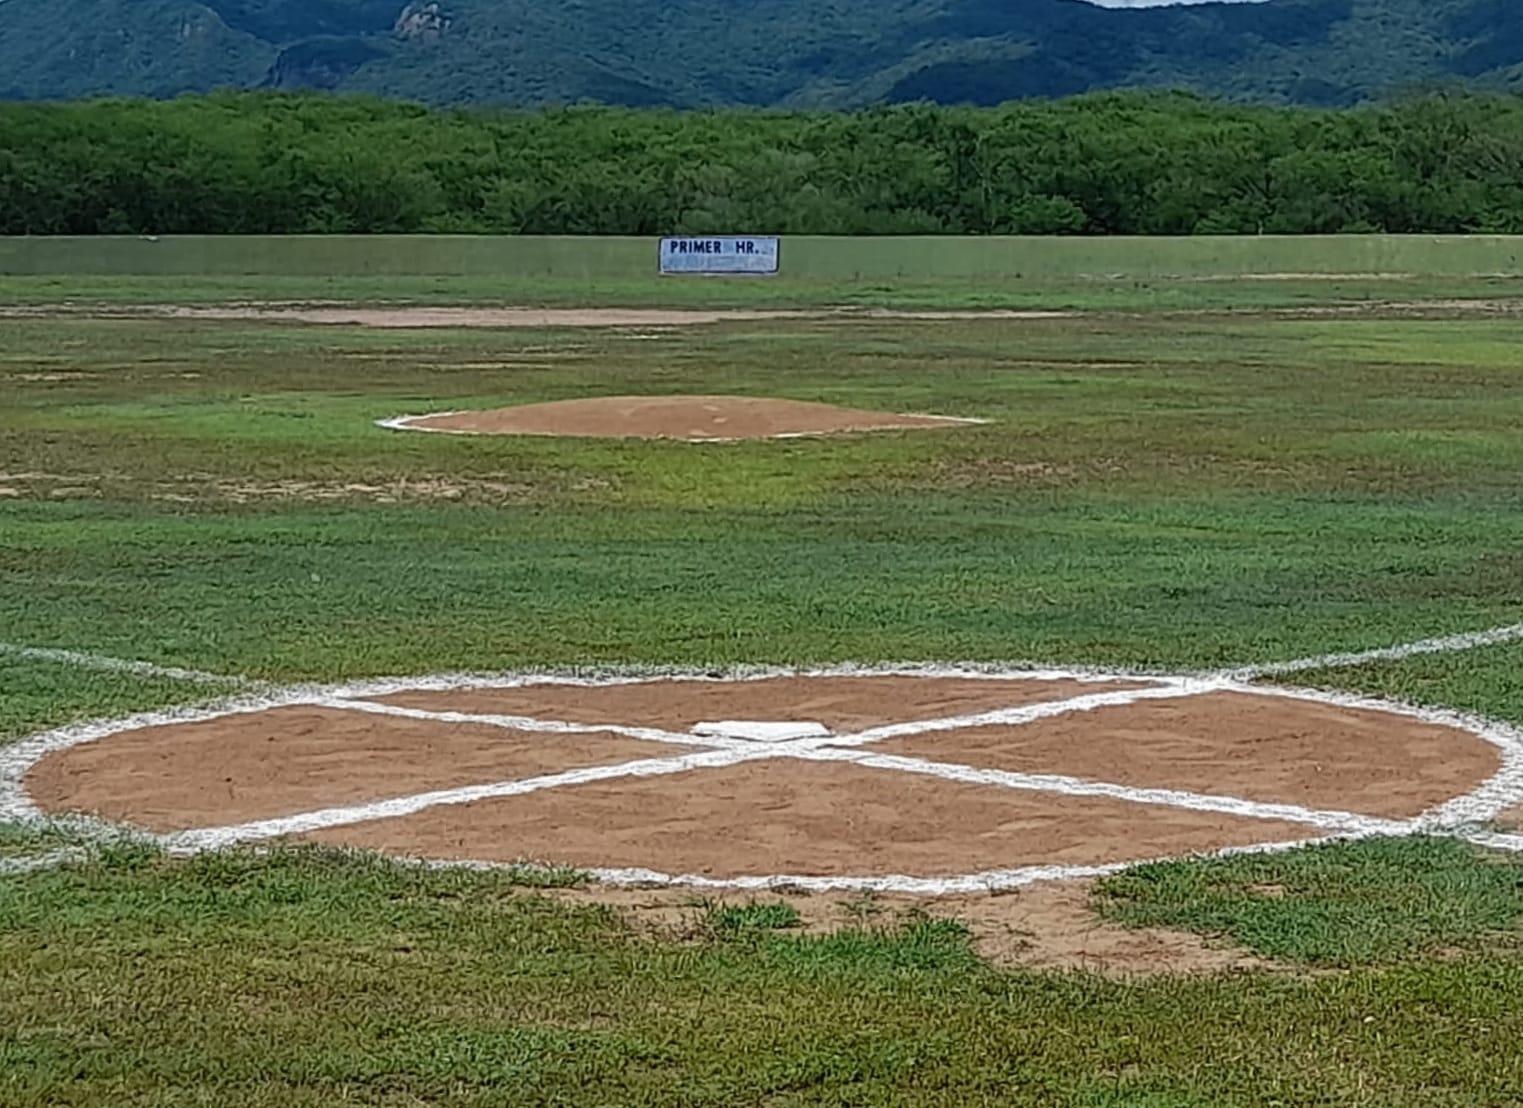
pixel 841 703
pixel 688 418
pixel 654 799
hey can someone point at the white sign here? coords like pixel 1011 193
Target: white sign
pixel 731 254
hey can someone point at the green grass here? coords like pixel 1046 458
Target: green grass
pixel 1154 489
pixel 1130 294
pixel 309 977
pixel 1148 493
pixel 733 920
pixel 1484 681
pixel 38 695
pixel 1344 904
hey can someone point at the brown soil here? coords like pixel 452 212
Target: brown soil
pixel 791 816
pixel 290 760
pixel 842 704
pixel 1256 747
pixel 1049 926
pixel 480 317
pixel 691 418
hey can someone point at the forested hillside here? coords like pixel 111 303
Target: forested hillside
pixel 794 53
pixel 1135 163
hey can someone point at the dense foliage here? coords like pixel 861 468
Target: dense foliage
pixel 764 53
pixel 1099 164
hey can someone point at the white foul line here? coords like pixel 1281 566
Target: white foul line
pixel 1446 644
pixel 116 665
pixel 1026 713
pixel 31 863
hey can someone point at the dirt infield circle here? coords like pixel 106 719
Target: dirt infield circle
pixel 938 781
pixel 684 418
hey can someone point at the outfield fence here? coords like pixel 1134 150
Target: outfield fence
pixel 805 257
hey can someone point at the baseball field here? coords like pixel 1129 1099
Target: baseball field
pixel 1066 688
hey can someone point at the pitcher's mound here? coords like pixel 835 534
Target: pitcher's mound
pixel 691 418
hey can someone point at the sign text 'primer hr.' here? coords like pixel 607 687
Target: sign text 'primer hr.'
pixel 719 254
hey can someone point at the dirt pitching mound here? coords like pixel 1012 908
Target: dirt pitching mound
pixel 688 418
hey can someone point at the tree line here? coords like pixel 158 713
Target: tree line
pixel 1100 164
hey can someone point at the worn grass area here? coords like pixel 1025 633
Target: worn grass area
pixel 1154 490
pixel 1341 904
pixel 751 918
pixel 308 978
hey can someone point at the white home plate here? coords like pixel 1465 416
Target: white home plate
pixel 762 731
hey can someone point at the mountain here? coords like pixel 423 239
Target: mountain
pixel 787 53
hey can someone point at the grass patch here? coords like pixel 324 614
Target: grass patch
pixel 733 920
pixel 1341 904
pixel 37 695
pixel 1484 680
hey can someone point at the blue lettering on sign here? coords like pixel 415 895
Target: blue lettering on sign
pixel 721 255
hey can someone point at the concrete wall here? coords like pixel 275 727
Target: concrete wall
pixel 802 256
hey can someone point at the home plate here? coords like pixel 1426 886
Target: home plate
pixel 762 731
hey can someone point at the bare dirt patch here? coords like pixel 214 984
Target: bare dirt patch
pixel 1050 926
pixel 787 816
pixel 53 378
pixel 421 317
pixel 841 703
pixel 1262 748
pixel 289 760
pixel 689 418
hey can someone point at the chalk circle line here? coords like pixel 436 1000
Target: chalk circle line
pixel 657 749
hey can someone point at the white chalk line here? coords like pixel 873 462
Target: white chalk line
pixel 732 752
pixel 535 725
pixel 736 751
pixel 1504 790
pixel 1064 785
pixel 117 665
pixel 415 423
pixel 32 863
pixel 1025 713
pixel 615 675
pixel 986 881
pixel 1446 644
pixel 720 753
pixel 396 807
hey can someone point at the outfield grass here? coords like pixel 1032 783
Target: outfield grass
pixel 1126 294
pixel 1155 490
